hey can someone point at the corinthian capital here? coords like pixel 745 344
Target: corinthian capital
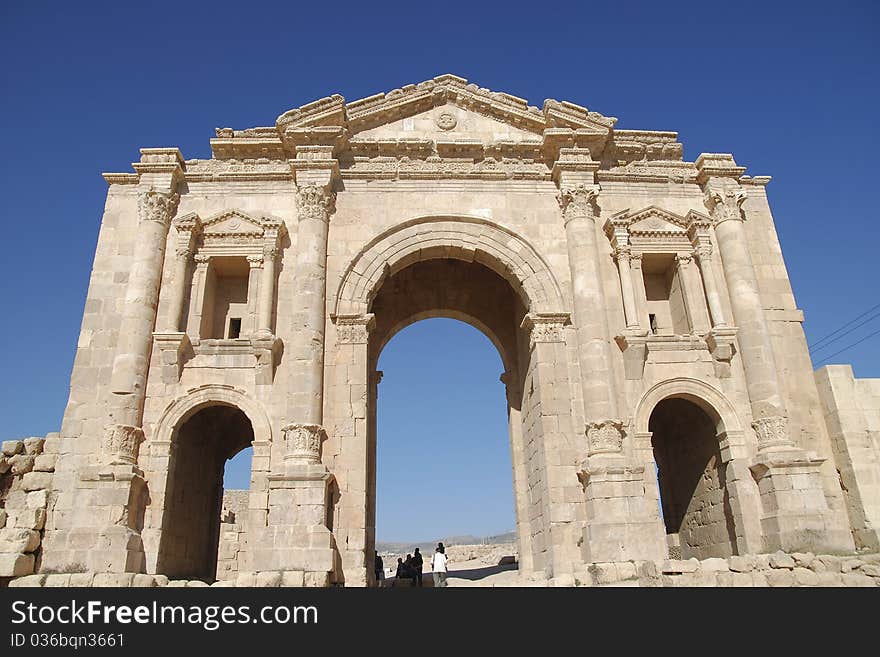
pixel 303 443
pixel 605 437
pixel 724 205
pixel 579 201
pixel 314 201
pixel 121 444
pixel 157 206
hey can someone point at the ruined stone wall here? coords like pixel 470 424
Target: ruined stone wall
pixel 26 496
pixel 851 409
pixel 233 537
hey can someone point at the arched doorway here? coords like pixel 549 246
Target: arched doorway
pixel 201 445
pixel 694 498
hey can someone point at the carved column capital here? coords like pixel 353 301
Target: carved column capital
pixel 157 206
pixel 772 431
pixel 684 259
pixel 724 204
pixel 303 443
pixel 354 329
pixel 315 201
pixel 270 252
pixel 201 258
pixel 545 327
pixel 703 252
pixel 255 261
pixel 121 444
pixel 579 201
pixel 604 437
pixel 624 254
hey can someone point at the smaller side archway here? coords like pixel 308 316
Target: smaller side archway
pixel 687 434
pixel 194 438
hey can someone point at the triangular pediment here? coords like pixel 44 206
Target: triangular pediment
pixel 656 220
pixel 233 222
pixel 448 122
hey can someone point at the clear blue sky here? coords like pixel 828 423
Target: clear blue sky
pixel 790 88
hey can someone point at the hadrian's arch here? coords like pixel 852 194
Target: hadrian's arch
pixel 477 272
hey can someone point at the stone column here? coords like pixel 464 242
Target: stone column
pixel 796 515
pixel 622 255
pixel 267 291
pixel 579 212
pixel 756 347
pixel 315 203
pixel 713 295
pixel 115 542
pixel 693 294
pixel 638 278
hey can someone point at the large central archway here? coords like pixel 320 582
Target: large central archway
pixel 479 273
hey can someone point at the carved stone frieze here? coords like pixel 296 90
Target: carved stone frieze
pixel 545 327
pixel 354 329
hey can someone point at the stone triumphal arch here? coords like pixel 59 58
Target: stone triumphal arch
pixel 661 399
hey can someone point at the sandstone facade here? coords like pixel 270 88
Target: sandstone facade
pixel 653 350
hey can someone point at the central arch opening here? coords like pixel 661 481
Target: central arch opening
pixel 191 526
pixel 447 428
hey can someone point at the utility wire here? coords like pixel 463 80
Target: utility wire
pixel 845 333
pixel 827 358
pixel 835 332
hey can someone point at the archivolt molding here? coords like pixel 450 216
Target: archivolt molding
pixel 471 239
pixel 711 400
pixel 183 408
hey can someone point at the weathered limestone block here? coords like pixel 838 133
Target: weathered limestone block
pixel 37 499
pixel 781 560
pixel 82 579
pixel 33 446
pixel 2 518
pixel 45 462
pixel 58 580
pixel 21 464
pixel 29 581
pixel 31 519
pixel 143 581
pixel 113 579
pixel 196 583
pixel 268 579
pixel 12 447
pixel 742 564
pixel 15 564
pixel 780 578
pixel 293 578
pixel 672 566
pixel 19 539
pixel 5 465
pixel 36 481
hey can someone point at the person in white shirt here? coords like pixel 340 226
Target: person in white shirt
pixel 438 566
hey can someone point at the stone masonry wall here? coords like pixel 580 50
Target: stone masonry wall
pixel 232 534
pixel 26 471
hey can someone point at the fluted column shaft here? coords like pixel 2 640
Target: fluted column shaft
pixel 267 291
pixel 713 295
pixel 178 289
pixel 630 311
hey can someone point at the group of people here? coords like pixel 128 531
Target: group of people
pixel 413 566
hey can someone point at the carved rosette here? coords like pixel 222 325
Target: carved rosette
pixel 303 443
pixel 605 437
pixel 771 431
pixel 314 201
pixel 157 206
pixel 579 201
pixel 545 327
pixel 121 444
pixel 725 205
pixel 354 329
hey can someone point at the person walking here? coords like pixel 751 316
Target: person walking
pixel 418 566
pixel 380 570
pixel 438 566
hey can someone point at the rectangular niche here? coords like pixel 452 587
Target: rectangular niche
pixel 225 309
pixel 664 295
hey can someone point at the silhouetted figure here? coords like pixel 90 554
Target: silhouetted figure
pixel 401 571
pixel 380 570
pixel 417 567
pixel 438 566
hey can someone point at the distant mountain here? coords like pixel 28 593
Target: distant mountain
pixel 385 547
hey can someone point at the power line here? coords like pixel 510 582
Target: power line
pixel 846 333
pixel 835 332
pixel 827 358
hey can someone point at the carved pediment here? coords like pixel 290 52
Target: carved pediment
pixel 239 224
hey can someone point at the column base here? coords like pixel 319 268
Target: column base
pixel 622 524
pixel 796 516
